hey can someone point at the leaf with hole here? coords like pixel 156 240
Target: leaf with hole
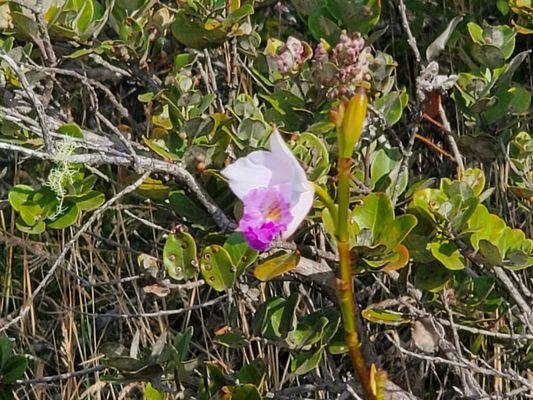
pixel 217 268
pixel 240 252
pixel 179 256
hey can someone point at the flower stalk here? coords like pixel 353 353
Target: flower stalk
pixel 349 131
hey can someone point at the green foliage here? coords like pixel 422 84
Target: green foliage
pixel 38 209
pixel 12 367
pixel 379 240
pixel 193 85
pixel 326 19
pixel 453 220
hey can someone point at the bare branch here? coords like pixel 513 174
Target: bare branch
pixel 39 108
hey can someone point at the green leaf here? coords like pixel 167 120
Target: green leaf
pixel 322 27
pixel 81 187
pixel 146 97
pixel 24 24
pixel 386 317
pixel 183 60
pixel 276 265
pixel 488 55
pixel 36 229
pixel 521 100
pixel 384 161
pixel 504 80
pixel 308 332
pixel 475 178
pixel 151 393
pixel 448 254
pixel 67 218
pixel 18 195
pixel 337 345
pixel 306 361
pixel 90 201
pixel 160 150
pixel 356 15
pixel 179 256
pixel 182 342
pixel 232 340
pixel 485 226
pixel 288 318
pixel 253 373
pixel 238 15
pixel 240 252
pixel 192 33
pixel 491 254
pixel 438 45
pixel 71 129
pixel 432 277
pixel 427 202
pixel 85 17
pixel 306 7
pixel 14 369
pixel 313 152
pixel 376 213
pixel 397 231
pixel 392 105
pixel 6 393
pixel 266 321
pixel 217 268
pixel 186 208
pixel 6 347
pixel 476 32
pixel 245 392
pixel 130 5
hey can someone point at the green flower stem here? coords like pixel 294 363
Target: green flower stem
pixel 349 134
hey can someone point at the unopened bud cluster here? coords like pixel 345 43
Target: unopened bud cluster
pixel 349 59
pixel 292 55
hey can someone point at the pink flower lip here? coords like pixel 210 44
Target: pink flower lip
pixel 266 215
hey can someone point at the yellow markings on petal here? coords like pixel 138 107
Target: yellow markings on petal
pixel 273 212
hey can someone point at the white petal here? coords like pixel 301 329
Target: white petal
pixel 299 210
pixel 289 175
pixel 249 172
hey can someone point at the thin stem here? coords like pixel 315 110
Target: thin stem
pixel 327 200
pixel 346 292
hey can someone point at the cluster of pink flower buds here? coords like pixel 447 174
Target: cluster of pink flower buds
pixel 291 55
pixel 346 64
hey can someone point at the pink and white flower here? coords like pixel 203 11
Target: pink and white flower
pixel 275 192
